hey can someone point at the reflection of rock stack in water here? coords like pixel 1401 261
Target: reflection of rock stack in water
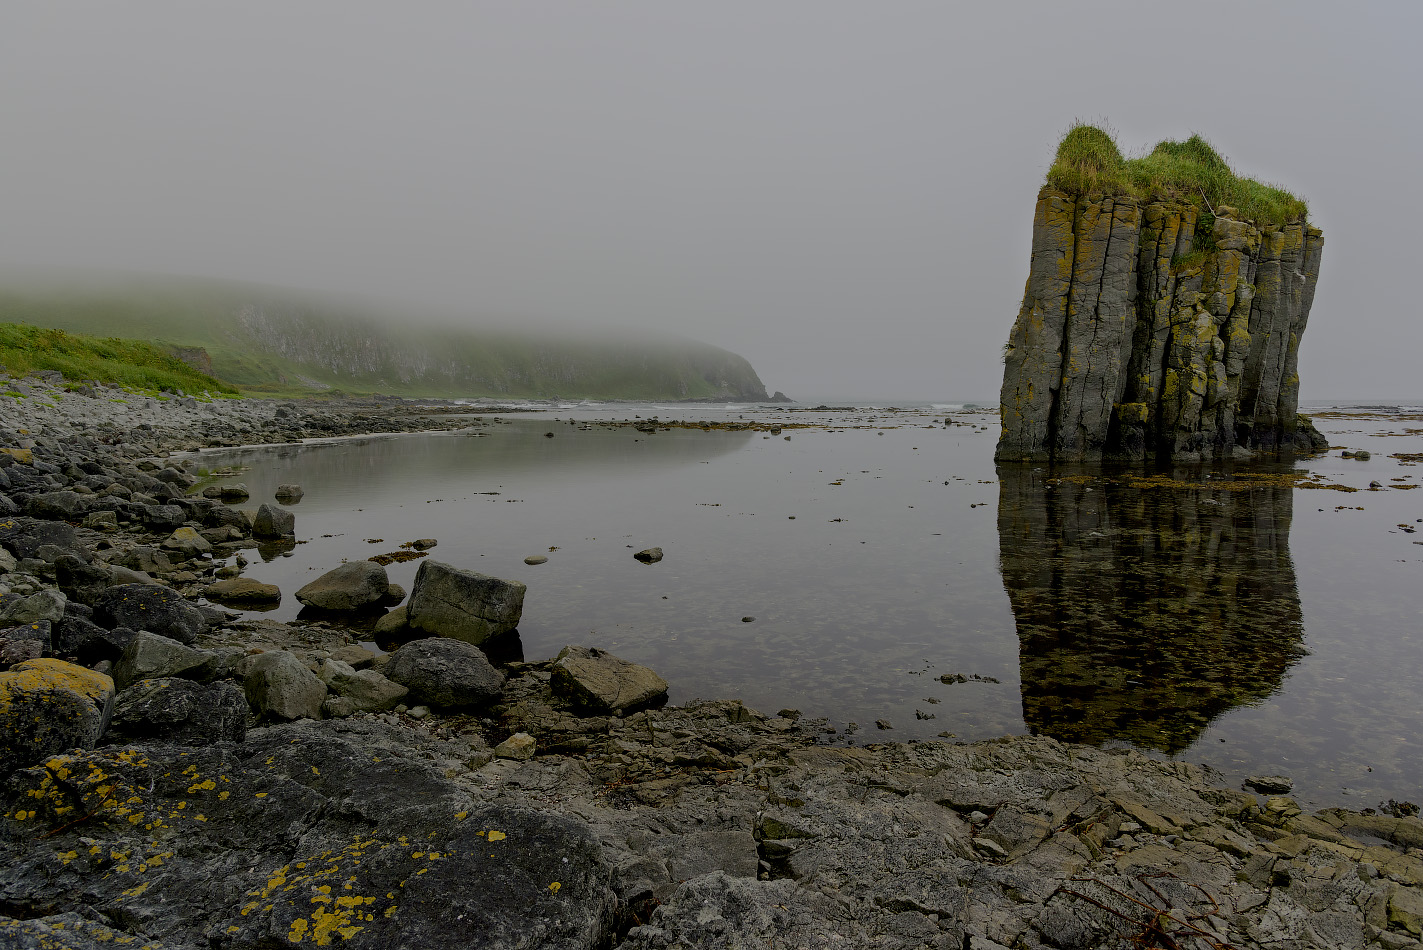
pixel 1145 611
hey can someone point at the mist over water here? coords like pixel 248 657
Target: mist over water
pixel 1252 625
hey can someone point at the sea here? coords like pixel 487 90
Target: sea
pixel 871 565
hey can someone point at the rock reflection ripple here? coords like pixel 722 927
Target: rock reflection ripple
pixel 1145 608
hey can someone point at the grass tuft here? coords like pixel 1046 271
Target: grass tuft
pixel 1088 161
pixel 132 364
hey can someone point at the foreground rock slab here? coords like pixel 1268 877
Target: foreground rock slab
pixel 345 838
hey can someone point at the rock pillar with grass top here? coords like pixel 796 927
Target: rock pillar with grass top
pixel 1165 303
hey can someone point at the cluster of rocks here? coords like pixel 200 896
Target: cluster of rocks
pixel 177 777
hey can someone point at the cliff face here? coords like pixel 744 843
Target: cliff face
pixel 1130 344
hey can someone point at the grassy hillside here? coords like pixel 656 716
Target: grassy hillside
pixel 280 343
pixel 80 358
pixel 1088 161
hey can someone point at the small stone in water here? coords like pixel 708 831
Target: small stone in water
pixel 748 619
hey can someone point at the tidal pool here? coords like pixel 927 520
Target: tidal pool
pixel 1258 618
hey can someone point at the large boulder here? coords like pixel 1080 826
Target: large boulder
pixel 599 682
pixel 48 706
pixel 179 711
pixel 150 656
pixel 354 585
pixel 273 523
pixel 463 605
pixel 146 607
pixel 279 686
pixel 447 673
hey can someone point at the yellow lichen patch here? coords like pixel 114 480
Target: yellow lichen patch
pixel 206 785
pixel 496 836
pixel 555 887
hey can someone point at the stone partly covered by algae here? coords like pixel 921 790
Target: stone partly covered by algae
pixel 48 706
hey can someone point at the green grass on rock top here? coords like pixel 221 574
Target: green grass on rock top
pixel 1088 161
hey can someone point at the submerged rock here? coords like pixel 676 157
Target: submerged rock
pixel 649 556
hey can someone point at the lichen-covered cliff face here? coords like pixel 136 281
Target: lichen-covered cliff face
pixel 1138 338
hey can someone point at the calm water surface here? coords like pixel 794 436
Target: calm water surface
pixel 1228 617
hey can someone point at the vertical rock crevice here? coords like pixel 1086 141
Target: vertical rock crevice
pixel 1152 329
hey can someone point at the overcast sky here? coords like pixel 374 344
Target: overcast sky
pixel 841 192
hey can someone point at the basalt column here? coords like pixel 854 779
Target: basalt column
pixel 1139 337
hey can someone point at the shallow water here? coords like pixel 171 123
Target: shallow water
pixel 1226 617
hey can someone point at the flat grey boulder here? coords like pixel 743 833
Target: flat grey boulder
pixel 355 585
pixel 150 656
pixel 147 607
pixel 365 690
pixel 271 522
pixel 445 672
pixel 243 592
pixel 289 494
pixel 597 681
pixel 279 686
pixel 463 605
pixel 178 711
pixel 48 706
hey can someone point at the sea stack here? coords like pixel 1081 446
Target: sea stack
pixel 1165 303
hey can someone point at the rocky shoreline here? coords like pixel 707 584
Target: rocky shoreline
pixel 179 777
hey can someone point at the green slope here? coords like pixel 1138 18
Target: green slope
pixel 81 358
pixel 276 342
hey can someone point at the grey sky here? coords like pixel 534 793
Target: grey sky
pixel 841 192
